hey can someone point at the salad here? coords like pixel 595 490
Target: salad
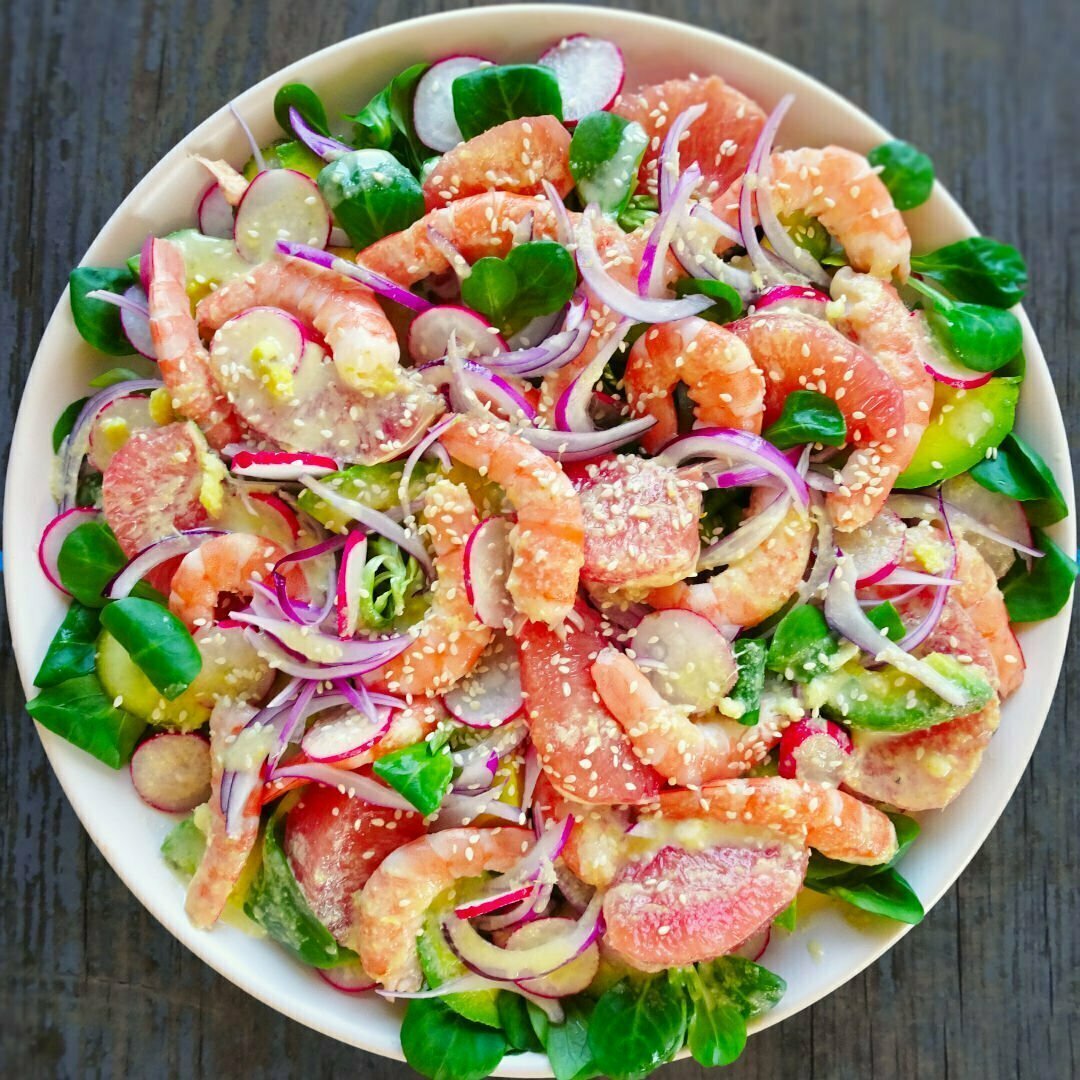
pixel 547 528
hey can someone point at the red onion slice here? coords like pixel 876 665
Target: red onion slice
pixel 572 408
pixel 284 659
pixel 748 536
pixel 377 283
pixel 571 978
pixel 617 296
pixel 487 904
pixel 927 508
pixel 670 163
pixel 53 536
pixel 347 783
pixel 349 582
pixel 468 983
pixel 160 551
pixel 483 389
pixel 320 145
pixel 340 738
pixel 665 228
pixel 876 549
pixel 568 446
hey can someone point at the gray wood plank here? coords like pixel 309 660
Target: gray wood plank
pixel 95 92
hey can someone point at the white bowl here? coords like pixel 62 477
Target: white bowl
pixel 827 949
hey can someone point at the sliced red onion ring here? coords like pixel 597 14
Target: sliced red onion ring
pixel 747 537
pixel 535 331
pixel 795 256
pixel 738 448
pixel 299 612
pixel 284 659
pixel 53 536
pixel 582 445
pixel 256 152
pixel 925 628
pixel 461 810
pixel 697 252
pixel 339 738
pixel 824 552
pixel 670 164
pixel 160 551
pixel 350 582
pixel 487 904
pixel 844 615
pixel 348 783
pixel 617 296
pixel 483 384
pixel 377 283
pixel 322 648
pixel 572 408
pixel 564 227
pixel 281 465
pixel 445 247
pixel 77 443
pixel 373 520
pixel 320 145
pixel 651 275
pixel 916 578
pixel 927 508
pixel 503 965
pixel 704 213
pixel 431 436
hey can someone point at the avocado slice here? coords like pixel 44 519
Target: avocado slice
pixel 964 424
pixel 440 965
pixel 373 485
pixel 888 700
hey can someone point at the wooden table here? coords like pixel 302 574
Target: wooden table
pixel 95 91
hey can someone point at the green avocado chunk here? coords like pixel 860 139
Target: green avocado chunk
pixel 888 700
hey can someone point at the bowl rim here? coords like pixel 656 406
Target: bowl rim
pixel 58 752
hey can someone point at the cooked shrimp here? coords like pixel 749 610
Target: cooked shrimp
pixel 981 598
pixel 841 189
pixel 686 751
pixel 449 638
pixel 181 356
pixel 224 856
pixel 725 385
pixel 548 538
pixel 391 907
pixel 755 586
pixel 517 157
pixel 226 565
pixel 837 824
pixel 344 312
pixel 899 340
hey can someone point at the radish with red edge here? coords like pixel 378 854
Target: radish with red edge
pixel 685 657
pixel 114 425
pixel 281 509
pixel 755 945
pixel 590 71
pixel 433 103
pixel 876 549
pixel 949 371
pixel 146 263
pixel 342 737
pixel 134 316
pixel 1005 515
pixel 490 695
pixel 813 749
pixel 280 206
pixel 802 298
pixel 349 978
pixel 571 978
pixel 54 535
pixel 484 905
pixel 265 340
pixel 430 332
pixel 350 582
pixel 171 771
pixel 488 559
pixel 215 215
pixel 284 465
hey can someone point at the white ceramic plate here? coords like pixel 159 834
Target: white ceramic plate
pixel 826 950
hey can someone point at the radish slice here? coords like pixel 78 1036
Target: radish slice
pixel 571 978
pixel 215 215
pixel 952 373
pixel 490 695
pixel 814 750
pixel 755 945
pixel 280 206
pixel 591 72
pixel 146 262
pixel 488 559
pixel 430 331
pixel 876 549
pixel 280 464
pixel 802 298
pixel 685 657
pixel 349 978
pixel 135 320
pixel 339 738
pixel 54 535
pixel 171 771
pixel 281 508
pixel 433 104
pixel 486 904
pixel 115 424
pixel 350 576
pixel 266 341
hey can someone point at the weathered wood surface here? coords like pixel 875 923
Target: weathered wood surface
pixel 95 91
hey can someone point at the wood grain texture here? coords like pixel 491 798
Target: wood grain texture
pixel 95 91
